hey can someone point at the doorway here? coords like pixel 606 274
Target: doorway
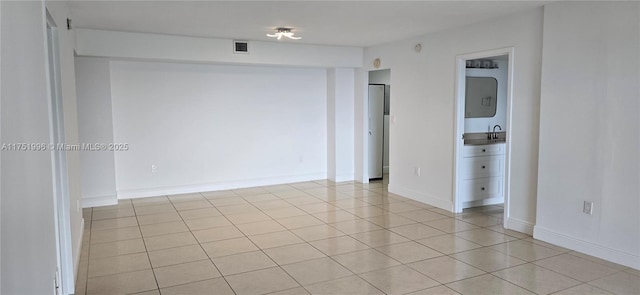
pixel 482 134
pixel 379 94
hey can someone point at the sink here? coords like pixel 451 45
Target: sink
pixel 484 141
pixel 483 138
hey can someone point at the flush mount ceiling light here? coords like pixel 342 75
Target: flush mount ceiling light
pixel 283 32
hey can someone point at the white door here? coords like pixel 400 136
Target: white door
pixel 376 130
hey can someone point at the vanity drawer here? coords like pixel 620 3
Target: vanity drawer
pixel 478 167
pixel 483 150
pixel 482 188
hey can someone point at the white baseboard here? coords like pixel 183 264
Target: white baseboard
pixel 606 253
pixel 484 202
pixel 519 225
pixel 88 202
pixel 216 186
pixel 421 197
pixel 343 177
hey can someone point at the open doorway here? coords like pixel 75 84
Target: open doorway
pixel 379 98
pixel 483 116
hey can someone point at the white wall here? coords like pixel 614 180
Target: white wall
pixel 95 113
pixel 332 141
pixel 590 129
pixel 500 118
pixel 360 132
pixel 344 123
pixel 192 49
pixel 385 152
pixel 423 106
pixel 186 52
pixel 212 127
pixel 28 235
pixel 340 122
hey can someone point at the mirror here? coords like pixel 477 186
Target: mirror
pixel 481 95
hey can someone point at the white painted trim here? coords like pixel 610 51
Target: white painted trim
pixel 1 166
pixel 59 163
pixel 610 254
pixel 340 177
pixel 216 186
pixel 460 74
pixel 88 202
pixel 508 130
pixel 420 197
pixel 458 127
pixel 484 202
pixel 519 225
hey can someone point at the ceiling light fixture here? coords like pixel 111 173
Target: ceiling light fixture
pixel 283 32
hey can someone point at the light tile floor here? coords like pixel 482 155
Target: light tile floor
pixel 324 238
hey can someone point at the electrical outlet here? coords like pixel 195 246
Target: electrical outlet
pixel 416 171
pixel 587 207
pixel 154 168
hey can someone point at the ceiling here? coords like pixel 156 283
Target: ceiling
pixel 343 23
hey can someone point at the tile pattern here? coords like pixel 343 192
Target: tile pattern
pixel 321 237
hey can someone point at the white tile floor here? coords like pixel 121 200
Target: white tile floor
pixel 324 238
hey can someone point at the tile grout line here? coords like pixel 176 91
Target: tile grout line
pixel 200 245
pixel 356 274
pixel 267 255
pixel 321 239
pixel 303 242
pixel 335 261
pixel 146 249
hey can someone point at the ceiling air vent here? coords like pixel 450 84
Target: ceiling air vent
pixel 240 47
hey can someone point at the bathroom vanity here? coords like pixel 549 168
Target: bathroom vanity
pixel 482 169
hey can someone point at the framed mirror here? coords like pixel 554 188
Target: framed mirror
pixel 481 95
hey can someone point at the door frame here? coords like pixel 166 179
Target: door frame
pixel 65 275
pixel 384 88
pixel 459 124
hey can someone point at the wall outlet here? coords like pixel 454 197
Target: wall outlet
pixel 587 207
pixel 416 171
pixel 154 168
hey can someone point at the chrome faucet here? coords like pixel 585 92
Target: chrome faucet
pixel 495 135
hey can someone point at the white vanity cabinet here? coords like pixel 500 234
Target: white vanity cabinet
pixel 482 175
